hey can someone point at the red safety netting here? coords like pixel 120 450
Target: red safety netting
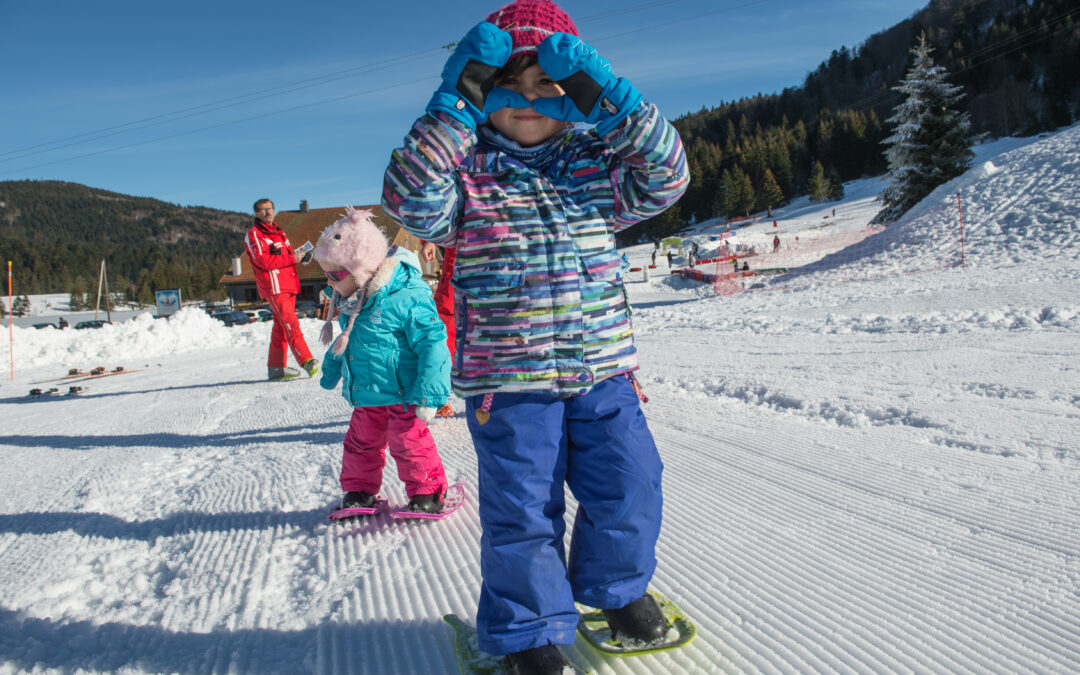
pixel 828 254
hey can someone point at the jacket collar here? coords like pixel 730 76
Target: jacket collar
pixel 533 157
pixel 266 227
pixel 363 297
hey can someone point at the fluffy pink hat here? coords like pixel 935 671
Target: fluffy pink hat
pixel 354 242
pixel 530 21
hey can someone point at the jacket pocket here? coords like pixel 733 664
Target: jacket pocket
pixel 489 278
pixel 603 266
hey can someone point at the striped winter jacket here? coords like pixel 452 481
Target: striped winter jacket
pixel 540 304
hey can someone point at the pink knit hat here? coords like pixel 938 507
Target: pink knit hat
pixel 530 21
pixel 354 242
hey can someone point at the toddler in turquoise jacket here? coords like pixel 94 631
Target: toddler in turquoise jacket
pixel 391 359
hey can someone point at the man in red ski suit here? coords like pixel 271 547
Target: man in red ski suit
pixel 274 263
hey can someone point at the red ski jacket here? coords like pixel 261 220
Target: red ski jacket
pixel 271 257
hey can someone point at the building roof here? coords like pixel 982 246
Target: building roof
pixel 307 225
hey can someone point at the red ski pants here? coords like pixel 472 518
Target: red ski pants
pixel 286 333
pixel 411 445
pixel 444 296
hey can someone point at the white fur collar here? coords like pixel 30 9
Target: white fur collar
pixel 382 276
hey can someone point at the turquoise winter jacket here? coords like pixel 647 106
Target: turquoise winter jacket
pixel 397 347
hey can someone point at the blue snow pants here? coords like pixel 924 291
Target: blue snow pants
pixel 599 445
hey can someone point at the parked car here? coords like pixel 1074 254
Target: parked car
pixel 233 318
pixel 265 315
pixel 307 309
pixel 39 326
pixel 96 323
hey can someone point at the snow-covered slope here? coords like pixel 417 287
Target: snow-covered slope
pixel 861 477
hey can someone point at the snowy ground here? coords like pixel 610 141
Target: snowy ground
pixel 860 477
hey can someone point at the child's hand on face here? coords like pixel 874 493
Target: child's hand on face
pixel 593 93
pixel 526 125
pixel 469 77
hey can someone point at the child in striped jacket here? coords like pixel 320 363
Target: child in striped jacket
pixel 529 158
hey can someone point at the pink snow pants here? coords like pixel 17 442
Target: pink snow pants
pixel 411 445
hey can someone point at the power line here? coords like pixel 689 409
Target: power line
pixel 308 83
pixel 223 124
pixel 215 106
pixel 241 99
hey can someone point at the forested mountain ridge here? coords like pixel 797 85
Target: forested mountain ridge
pixel 1014 59
pixel 56 234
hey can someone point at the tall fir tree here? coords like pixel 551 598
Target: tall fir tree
pixel 818 186
pixel 739 194
pixel 22 306
pixel 770 193
pixel 930 144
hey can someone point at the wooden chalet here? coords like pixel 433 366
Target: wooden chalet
pixel 305 225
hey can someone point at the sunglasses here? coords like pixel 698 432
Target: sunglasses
pixel 337 275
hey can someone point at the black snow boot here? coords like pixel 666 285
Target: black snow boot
pixel 431 503
pixel 639 621
pixel 546 660
pixel 357 500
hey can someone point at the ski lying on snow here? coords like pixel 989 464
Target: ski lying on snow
pixel 119 370
pixel 594 628
pixel 74 373
pixel 72 391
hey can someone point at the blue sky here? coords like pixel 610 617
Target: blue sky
pixel 218 103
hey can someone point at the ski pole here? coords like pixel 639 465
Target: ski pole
pixel 11 332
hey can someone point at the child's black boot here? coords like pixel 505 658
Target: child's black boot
pixel 545 660
pixel 430 503
pixel 639 621
pixel 357 500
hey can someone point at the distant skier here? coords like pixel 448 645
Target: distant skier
pixel 532 203
pixel 776 243
pixel 62 323
pixel 392 360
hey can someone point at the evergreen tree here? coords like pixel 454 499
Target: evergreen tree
pixel 817 187
pixel 835 186
pixel 930 144
pixel 77 295
pixel 770 194
pixel 738 192
pixel 21 306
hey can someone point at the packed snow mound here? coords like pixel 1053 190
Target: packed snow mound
pixel 1019 207
pixel 1022 204
pixel 142 337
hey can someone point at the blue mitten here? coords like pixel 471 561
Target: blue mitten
pixel 504 98
pixel 593 93
pixel 469 75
